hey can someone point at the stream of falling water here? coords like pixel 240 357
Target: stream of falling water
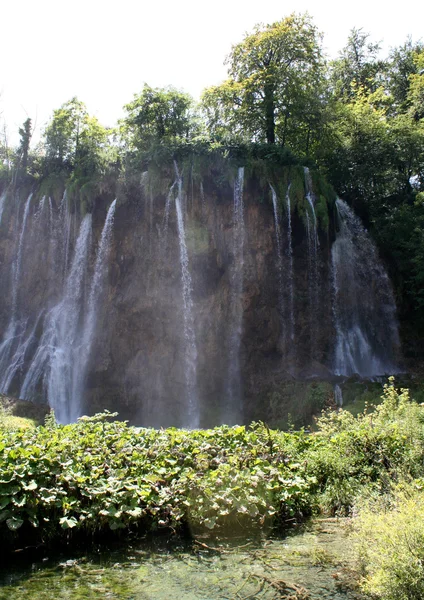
pixel 98 282
pixel 290 278
pixel 281 282
pixel 233 409
pixel 16 329
pixel 313 278
pixel 2 202
pixel 57 353
pixel 62 356
pixel 364 306
pixel 190 348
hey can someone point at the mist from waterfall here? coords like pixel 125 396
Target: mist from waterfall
pixel 364 306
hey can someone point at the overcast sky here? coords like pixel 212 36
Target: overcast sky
pixel 103 52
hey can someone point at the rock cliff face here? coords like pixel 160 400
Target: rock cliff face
pixel 214 295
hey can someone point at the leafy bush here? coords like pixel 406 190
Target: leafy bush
pixel 390 544
pixel 96 475
pixel 372 449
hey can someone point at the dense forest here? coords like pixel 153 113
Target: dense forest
pixel 359 119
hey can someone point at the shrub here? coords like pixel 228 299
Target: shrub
pixel 390 545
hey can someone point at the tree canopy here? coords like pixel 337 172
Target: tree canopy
pixel 74 139
pixel 275 77
pixel 157 115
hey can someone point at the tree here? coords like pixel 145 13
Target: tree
pixel 402 65
pixel 157 115
pixel 275 76
pixel 416 91
pixel 25 133
pixel 357 66
pixel 74 140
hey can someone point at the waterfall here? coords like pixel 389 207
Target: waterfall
pixel 66 219
pixel 16 362
pixel 40 208
pixel 364 308
pixel 290 274
pixel 15 330
pixel 313 279
pixel 17 264
pixel 98 282
pixel 57 358
pixel 164 233
pixel 99 278
pixel 279 262
pixel 2 201
pixel 233 410
pixel 338 395
pixel 190 348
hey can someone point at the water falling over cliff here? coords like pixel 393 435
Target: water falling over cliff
pixel 291 322
pixel 364 307
pixel 191 419
pixel 280 267
pixel 205 293
pixel 233 408
pixel 313 275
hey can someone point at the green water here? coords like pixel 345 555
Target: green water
pixel 314 559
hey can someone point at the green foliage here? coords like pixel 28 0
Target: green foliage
pixel 98 474
pixel 75 141
pixel 357 66
pixel 297 191
pixel 25 133
pixel 372 449
pixel 157 116
pixel 273 90
pixel 389 536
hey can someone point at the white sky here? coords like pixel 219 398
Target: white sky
pixel 103 51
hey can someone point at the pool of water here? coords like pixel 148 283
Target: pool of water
pixel 309 563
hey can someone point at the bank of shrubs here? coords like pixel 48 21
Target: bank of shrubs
pixel 99 475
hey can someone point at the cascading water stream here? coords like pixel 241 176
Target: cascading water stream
pixel 190 347
pixel 66 218
pixel 364 309
pixel 338 395
pixel 165 226
pixel 94 306
pixel 313 277
pixel 17 264
pixel 64 371
pixel 2 202
pixel 57 359
pixel 290 277
pixel 15 330
pixel 16 362
pixel 233 409
pixel 281 283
